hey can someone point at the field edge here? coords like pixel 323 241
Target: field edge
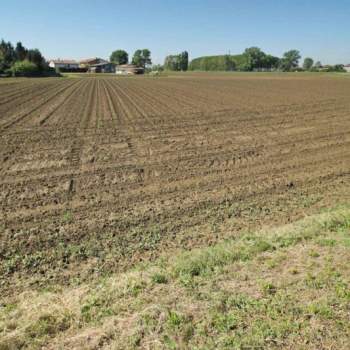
pixel 277 287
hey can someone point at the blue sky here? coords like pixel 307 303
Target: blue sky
pixel 88 28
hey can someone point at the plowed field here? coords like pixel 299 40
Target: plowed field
pixel 98 173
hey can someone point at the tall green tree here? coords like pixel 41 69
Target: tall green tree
pixel 271 62
pixel 177 62
pixel 146 54
pixel 183 61
pixel 308 63
pixel 35 56
pixel 137 58
pixel 290 60
pixel 119 57
pixel 7 55
pixel 21 52
pixel 142 58
pixel 255 58
pixel 172 63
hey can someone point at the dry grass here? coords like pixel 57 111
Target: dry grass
pixel 278 288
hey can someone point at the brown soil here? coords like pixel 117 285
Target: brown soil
pixel 99 173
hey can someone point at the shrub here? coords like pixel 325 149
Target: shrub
pixel 24 68
pixel 337 68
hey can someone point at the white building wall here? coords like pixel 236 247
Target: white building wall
pixel 63 65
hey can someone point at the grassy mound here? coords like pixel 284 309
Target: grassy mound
pixel 278 288
pixel 217 63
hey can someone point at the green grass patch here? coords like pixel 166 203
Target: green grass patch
pixel 273 289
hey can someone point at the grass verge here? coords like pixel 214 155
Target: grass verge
pixel 277 288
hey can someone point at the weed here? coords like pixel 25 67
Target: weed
pixel 224 322
pixel 313 281
pixel 34 260
pixel 159 278
pixel 326 242
pixel 320 309
pixel 48 325
pixel 342 290
pixel 169 342
pixel 276 261
pixel 7 308
pixel 67 217
pixel 314 254
pixel 308 201
pixel 95 308
pixel 174 319
pixel 11 264
pixel 268 288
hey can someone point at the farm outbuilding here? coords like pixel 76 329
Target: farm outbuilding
pixel 91 62
pixel 347 68
pixel 66 64
pixel 107 67
pixel 129 69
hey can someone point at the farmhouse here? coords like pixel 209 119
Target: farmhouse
pixel 104 67
pixel 347 68
pixel 91 61
pixel 68 64
pixel 128 69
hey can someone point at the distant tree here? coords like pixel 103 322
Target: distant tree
pixel 308 63
pixel 142 58
pixel 21 52
pixel 146 57
pixel 244 67
pixel 183 61
pixel 290 60
pixel 35 56
pixel 255 58
pixel 137 58
pixel 271 62
pixel 336 68
pixel 119 57
pixel 157 67
pixel 7 55
pixel 11 58
pixel 318 65
pixel 229 64
pixel 177 62
pixel 172 63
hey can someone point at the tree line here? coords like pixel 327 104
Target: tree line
pixel 18 60
pixel 141 57
pixel 254 59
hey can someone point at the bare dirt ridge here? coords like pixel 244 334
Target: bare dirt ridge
pixel 98 173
